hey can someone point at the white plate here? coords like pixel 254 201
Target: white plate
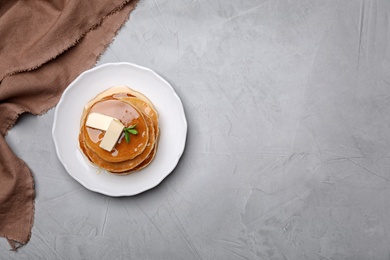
pixel 172 122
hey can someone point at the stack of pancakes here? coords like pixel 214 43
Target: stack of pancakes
pixel 130 108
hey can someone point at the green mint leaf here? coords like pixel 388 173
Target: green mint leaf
pixel 133 131
pixel 129 130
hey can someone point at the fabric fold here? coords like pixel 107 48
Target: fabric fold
pixel 33 74
pixel 46 29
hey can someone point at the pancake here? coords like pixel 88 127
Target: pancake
pixel 128 115
pixel 127 165
pixel 120 90
pixel 130 107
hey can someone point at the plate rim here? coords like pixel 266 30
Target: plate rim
pixel 72 85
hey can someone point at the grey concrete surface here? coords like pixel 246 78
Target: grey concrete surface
pixel 287 156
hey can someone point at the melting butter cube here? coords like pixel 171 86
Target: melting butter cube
pixel 112 135
pixel 99 121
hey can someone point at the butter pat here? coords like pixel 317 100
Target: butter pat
pixel 112 135
pixel 99 121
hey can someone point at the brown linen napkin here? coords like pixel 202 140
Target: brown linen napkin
pixel 44 46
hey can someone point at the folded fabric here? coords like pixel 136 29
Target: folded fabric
pixel 45 45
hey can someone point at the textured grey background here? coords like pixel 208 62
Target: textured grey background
pixel 287 156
